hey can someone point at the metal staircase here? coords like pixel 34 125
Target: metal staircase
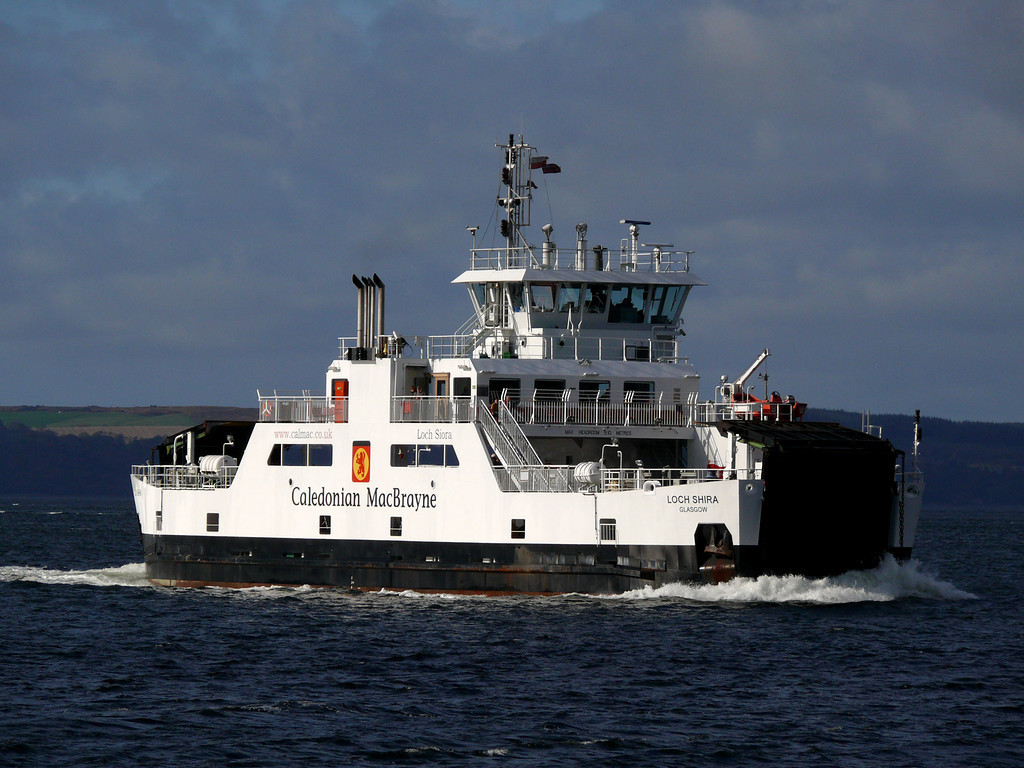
pixel 518 460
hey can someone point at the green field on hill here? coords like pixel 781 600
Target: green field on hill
pixel 55 417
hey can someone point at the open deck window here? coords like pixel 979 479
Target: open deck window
pixel 643 391
pixel 500 388
pixel 548 389
pixel 592 390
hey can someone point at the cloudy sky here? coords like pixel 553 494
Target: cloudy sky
pixel 188 187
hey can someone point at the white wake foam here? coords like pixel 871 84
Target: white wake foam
pixel 129 575
pixel 889 581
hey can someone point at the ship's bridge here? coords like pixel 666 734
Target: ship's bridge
pixel 527 312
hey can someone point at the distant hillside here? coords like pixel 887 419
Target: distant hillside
pixel 145 422
pixel 966 463
pixel 89 451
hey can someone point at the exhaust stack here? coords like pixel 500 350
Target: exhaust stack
pixel 380 312
pixel 360 311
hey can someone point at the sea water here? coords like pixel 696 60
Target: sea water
pixel 915 664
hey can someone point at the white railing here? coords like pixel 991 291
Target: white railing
pixel 709 412
pixel 628 348
pixel 561 478
pixel 547 479
pixel 184 476
pixel 303 408
pixel 462 344
pixel 431 409
pixel 628 260
pixel 600 413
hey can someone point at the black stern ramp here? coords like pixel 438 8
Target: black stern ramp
pixel 828 495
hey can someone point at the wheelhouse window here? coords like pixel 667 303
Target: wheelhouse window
pixel 569 297
pixel 627 303
pixel 476 290
pixel 595 299
pixel 665 303
pixel 542 297
pixel 515 296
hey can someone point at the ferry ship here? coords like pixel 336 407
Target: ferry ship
pixel 555 443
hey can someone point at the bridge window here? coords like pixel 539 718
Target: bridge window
pixel 515 296
pixel 595 298
pixel 477 292
pixel 665 303
pixel 628 303
pixel 569 298
pixel 542 297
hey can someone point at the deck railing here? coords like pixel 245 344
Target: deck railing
pixel 432 409
pixel 184 476
pixel 625 259
pixel 462 344
pixel 302 408
pixel 709 412
pixel 305 408
pixel 561 478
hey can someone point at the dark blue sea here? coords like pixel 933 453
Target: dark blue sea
pixel 913 665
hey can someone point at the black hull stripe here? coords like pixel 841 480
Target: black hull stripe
pixel 436 567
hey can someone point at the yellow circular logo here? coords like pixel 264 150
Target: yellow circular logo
pixel 361 464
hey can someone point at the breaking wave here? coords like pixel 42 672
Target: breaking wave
pixel 129 575
pixel 889 581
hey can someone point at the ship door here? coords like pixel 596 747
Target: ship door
pixel 340 387
pixel 439 389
